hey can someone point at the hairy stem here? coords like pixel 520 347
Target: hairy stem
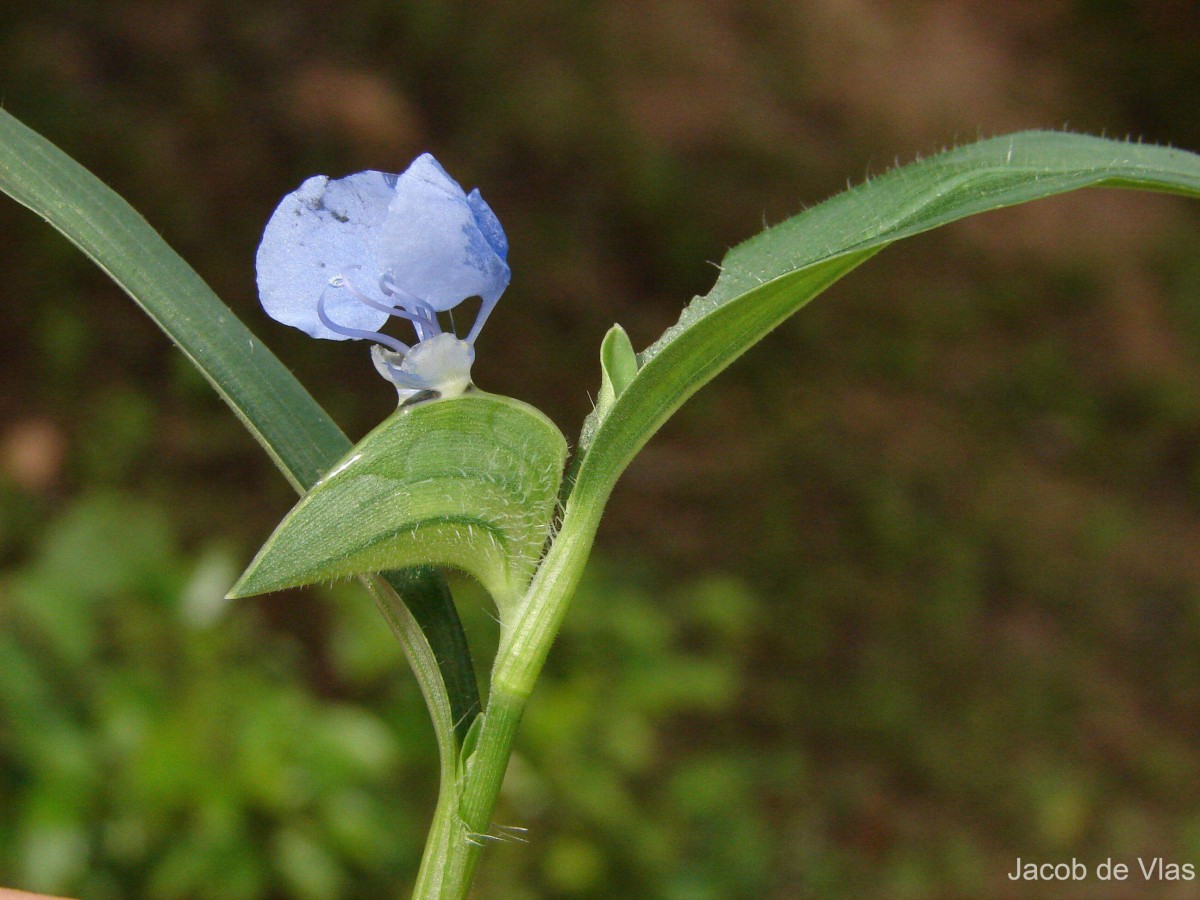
pixel 523 649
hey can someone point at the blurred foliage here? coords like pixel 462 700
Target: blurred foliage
pixel 962 493
pixel 161 744
pixel 160 741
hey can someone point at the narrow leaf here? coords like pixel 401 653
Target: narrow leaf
pixel 769 277
pixel 423 591
pixel 295 431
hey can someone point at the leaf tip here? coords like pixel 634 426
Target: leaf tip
pixel 618 362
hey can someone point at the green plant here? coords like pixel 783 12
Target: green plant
pixel 485 512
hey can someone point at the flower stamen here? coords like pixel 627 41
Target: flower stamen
pixel 375 232
pixel 421 314
pixel 424 320
pixel 377 337
pixel 485 310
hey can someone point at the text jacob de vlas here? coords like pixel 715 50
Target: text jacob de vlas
pixel 1152 869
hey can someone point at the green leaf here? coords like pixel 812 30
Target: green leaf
pixel 423 591
pixel 468 482
pixel 469 743
pixel 769 277
pixel 618 365
pixel 296 432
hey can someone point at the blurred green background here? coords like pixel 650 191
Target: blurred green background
pixel 909 592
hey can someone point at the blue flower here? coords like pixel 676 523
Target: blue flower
pixel 341 257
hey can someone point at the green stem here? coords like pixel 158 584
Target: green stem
pixel 429 676
pixel 443 834
pixel 482 788
pixel 519 661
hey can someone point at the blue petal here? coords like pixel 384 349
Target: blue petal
pixel 322 230
pixel 432 242
pixel 488 224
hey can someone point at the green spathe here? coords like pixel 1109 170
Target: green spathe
pixel 468 482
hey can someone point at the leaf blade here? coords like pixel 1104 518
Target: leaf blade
pixel 788 265
pixel 297 434
pixel 980 177
pixel 294 430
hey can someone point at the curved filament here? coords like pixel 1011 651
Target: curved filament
pixel 420 313
pixel 377 337
pixel 485 310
